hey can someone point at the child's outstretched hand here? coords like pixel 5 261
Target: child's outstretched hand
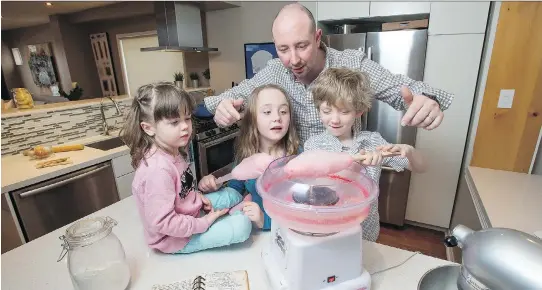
pixel 207 206
pixel 405 149
pixel 372 158
pixel 208 184
pixel 254 213
pixel 213 215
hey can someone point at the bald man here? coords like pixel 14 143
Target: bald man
pixel 302 56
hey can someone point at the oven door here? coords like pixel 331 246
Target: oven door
pixel 216 154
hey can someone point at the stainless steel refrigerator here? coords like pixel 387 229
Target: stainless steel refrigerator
pixel 401 52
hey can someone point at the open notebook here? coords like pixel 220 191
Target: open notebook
pixel 235 280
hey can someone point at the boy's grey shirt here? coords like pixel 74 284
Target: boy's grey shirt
pixel 362 140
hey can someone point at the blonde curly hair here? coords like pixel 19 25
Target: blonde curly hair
pixel 343 88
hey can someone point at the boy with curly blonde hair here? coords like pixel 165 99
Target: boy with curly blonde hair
pixel 342 96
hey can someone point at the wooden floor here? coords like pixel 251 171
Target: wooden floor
pixel 411 238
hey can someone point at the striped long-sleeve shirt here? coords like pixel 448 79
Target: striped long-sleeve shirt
pixel 385 85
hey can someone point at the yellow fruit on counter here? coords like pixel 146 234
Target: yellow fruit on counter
pixel 42 151
pixel 66 148
pixel 23 98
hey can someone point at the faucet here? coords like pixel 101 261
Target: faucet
pixel 104 120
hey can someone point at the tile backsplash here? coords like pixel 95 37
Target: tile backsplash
pixel 63 124
pixel 59 125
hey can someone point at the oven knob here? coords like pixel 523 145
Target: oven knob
pixel 222 129
pixel 208 133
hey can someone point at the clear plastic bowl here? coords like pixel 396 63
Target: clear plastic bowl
pixel 326 204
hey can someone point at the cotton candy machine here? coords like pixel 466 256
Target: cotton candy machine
pixel 316 228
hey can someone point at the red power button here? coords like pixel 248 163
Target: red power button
pixel 331 279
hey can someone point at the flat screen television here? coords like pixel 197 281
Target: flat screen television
pixel 257 55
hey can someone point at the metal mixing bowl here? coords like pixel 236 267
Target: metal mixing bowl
pixel 440 278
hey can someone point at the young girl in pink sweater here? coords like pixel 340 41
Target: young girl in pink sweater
pixel 158 130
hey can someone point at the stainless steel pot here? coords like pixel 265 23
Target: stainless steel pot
pixel 440 278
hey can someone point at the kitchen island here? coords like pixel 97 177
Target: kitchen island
pixel 34 265
pixel 489 198
pixel 505 199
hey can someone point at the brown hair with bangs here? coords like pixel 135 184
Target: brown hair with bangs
pixel 343 88
pixel 248 142
pixel 152 103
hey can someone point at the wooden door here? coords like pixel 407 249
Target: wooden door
pixel 506 137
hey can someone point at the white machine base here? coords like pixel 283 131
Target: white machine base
pixel 296 262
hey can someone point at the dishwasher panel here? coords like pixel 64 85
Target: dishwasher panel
pixel 10 234
pixel 52 204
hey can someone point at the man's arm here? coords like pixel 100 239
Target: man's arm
pixel 387 86
pixel 244 89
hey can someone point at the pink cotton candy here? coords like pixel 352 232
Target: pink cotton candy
pixel 239 207
pixel 317 163
pixel 252 167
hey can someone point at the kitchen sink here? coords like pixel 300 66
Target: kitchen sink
pixel 107 144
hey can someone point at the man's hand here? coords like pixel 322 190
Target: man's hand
pixel 422 112
pixel 227 112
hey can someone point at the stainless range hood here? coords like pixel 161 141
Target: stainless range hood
pixel 179 27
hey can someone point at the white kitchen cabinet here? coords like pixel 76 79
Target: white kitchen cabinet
pixel 398 8
pixel 124 175
pixel 458 17
pixel 122 165
pixel 452 64
pixel 341 10
pixel 124 185
pixel 312 6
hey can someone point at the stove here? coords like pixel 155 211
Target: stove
pixel 206 128
pixel 213 148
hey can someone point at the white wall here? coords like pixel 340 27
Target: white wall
pixel 143 68
pixel 229 30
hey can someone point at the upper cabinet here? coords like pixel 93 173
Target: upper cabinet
pixel 312 8
pixel 398 8
pixel 342 10
pixel 458 17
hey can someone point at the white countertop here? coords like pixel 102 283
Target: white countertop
pixel 34 266
pixel 507 199
pixel 19 171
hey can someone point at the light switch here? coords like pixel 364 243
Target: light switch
pixel 506 98
pixel 17 56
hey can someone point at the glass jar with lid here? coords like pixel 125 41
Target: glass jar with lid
pixel 96 258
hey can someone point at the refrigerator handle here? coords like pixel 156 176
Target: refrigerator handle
pixel 369 55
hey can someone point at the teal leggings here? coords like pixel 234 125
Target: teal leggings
pixel 227 230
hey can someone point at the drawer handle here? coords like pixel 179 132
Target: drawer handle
pixel 57 184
